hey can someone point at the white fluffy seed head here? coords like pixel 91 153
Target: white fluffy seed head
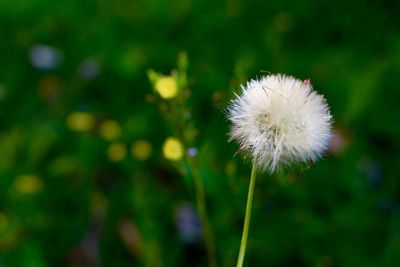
pixel 280 120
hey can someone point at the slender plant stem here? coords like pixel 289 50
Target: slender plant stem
pixel 249 204
pixel 201 207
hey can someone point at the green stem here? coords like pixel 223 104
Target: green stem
pixel 201 207
pixel 245 233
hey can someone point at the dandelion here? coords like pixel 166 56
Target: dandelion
pixel 280 120
pixel 277 121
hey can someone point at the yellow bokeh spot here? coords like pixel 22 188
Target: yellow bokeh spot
pixel 98 203
pixel 166 86
pixel 110 130
pixel 116 152
pixel 80 121
pixel 231 168
pixel 141 150
pixel 3 221
pixel 28 184
pixel 173 149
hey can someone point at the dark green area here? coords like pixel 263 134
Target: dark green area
pixel 63 202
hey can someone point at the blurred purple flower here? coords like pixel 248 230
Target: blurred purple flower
pixel 188 223
pixel 339 141
pixel 192 152
pixel 45 57
pixel 372 171
pixel 90 245
pixel 89 69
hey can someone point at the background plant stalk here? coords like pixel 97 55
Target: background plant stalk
pixel 201 208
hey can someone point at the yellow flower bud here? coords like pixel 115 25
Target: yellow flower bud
pixel 166 86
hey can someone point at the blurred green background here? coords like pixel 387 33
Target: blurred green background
pixel 85 176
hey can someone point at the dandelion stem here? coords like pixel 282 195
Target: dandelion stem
pixel 245 233
pixel 201 207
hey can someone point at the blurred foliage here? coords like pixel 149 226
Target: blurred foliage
pixel 88 179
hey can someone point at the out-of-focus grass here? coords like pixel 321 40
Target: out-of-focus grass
pixel 83 178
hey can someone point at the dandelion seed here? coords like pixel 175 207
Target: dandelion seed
pixel 279 120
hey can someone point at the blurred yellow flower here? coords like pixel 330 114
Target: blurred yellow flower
pixel 166 86
pixel 28 184
pixel 116 152
pixel 110 130
pixel 141 150
pixel 80 121
pixel 173 149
